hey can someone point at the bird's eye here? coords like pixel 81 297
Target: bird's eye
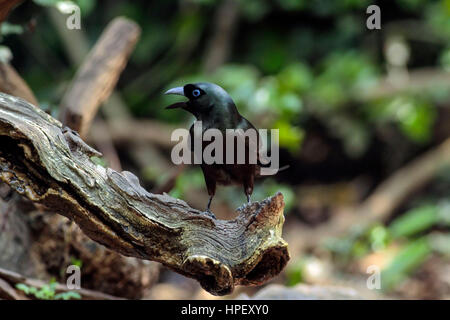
pixel 196 93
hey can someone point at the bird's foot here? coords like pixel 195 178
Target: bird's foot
pixel 209 213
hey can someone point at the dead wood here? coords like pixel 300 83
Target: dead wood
pixel 97 77
pixel 51 165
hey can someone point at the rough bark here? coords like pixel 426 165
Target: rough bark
pixel 50 164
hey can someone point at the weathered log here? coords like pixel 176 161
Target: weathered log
pixel 50 164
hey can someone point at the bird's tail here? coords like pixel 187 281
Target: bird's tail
pixel 261 165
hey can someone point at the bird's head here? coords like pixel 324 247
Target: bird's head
pixel 203 99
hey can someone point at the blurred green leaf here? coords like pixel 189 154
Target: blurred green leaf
pixel 294 273
pixel 438 17
pixel 378 237
pixel 67 296
pixel 7 28
pixel 414 221
pixel 86 6
pixel 189 179
pixel 47 2
pixel 414 115
pixel 417 120
pixel 291 137
pixel 406 261
pixel 445 59
pixel 76 262
pixel 23 287
pixel 295 77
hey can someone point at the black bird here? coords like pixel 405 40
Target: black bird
pixel 213 106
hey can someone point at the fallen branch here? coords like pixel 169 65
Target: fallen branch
pixel 390 194
pixel 384 200
pixel 7 291
pixel 12 83
pixel 144 131
pixel 6 6
pixel 219 46
pixel 419 80
pixel 51 165
pixel 97 77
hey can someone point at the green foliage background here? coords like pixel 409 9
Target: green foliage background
pixel 295 65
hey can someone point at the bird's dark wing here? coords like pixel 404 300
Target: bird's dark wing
pixel 191 141
pixel 262 161
pixel 250 146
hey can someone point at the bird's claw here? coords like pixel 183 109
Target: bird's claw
pixel 210 214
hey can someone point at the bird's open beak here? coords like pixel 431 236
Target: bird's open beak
pixel 177 105
pixel 178 91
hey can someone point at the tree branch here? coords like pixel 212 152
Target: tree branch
pixel 97 77
pixel 384 200
pixel 146 131
pixel 419 80
pixel 6 6
pixel 12 83
pixel 219 46
pixel 51 165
